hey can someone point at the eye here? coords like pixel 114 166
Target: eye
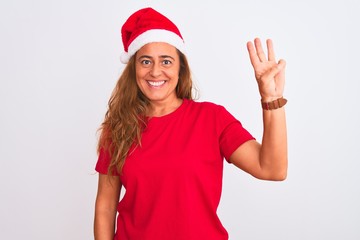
pixel 167 62
pixel 145 62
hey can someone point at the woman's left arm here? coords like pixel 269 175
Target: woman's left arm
pixel 267 160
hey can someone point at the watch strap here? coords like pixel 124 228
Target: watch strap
pixel 277 103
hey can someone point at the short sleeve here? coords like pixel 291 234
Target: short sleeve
pixel 103 162
pixel 233 134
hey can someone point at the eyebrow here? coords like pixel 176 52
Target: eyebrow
pixel 161 56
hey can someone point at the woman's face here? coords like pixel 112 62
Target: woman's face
pixel 157 71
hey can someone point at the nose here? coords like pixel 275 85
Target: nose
pixel 155 70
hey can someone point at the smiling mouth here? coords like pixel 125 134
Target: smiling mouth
pixel 156 84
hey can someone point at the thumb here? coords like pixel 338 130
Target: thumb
pixel 280 66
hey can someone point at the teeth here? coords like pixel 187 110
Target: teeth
pixel 156 84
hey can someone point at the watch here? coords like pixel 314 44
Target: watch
pixel 278 103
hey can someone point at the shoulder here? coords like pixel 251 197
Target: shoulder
pixel 204 106
pixel 207 111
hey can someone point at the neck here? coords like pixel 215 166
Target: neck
pixel 158 109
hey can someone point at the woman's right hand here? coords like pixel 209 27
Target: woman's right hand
pixel 107 200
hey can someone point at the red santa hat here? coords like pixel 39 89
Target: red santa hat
pixel 146 26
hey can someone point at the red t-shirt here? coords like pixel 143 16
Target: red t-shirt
pixel 173 181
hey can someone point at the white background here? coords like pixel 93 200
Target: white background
pixel 59 61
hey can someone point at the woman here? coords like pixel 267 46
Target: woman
pixel 167 150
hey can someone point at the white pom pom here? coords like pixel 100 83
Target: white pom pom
pixel 124 57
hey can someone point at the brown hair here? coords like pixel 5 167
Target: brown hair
pixel 125 118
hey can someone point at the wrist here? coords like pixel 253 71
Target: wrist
pixel 270 98
pixel 273 103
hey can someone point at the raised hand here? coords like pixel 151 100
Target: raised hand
pixel 269 74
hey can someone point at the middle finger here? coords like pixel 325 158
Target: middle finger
pixel 259 50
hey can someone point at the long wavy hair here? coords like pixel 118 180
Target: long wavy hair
pixel 125 118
